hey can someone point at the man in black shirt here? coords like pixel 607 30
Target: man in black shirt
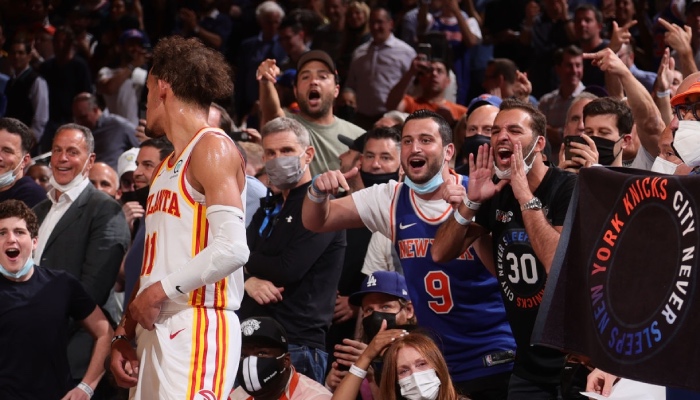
pixel 292 273
pixel 524 210
pixel 35 304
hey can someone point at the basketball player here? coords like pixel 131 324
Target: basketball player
pixel 187 337
pixel 458 300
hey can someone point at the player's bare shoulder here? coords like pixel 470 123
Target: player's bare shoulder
pixel 215 160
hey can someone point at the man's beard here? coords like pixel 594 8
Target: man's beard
pixel 322 112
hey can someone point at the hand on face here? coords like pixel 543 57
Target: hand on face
pixel 518 178
pixel 481 186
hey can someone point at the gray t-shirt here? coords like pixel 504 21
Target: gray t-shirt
pixel 324 138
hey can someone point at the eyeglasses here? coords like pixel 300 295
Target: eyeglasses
pixel 682 109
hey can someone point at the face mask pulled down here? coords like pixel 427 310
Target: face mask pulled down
pixel 22 272
pixel 9 177
pixel 506 174
pixel 77 180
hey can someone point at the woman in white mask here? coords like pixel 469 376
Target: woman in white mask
pixel 414 369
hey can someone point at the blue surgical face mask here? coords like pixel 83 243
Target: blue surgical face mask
pixel 7 178
pixel 22 272
pixel 428 187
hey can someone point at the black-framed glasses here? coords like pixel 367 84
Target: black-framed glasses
pixel 682 109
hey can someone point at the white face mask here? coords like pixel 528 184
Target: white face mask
pixel 9 177
pixel 77 180
pixel 505 174
pixel 423 385
pixel 686 142
pixel 664 166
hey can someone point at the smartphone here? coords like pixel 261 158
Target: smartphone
pixel 567 145
pixel 425 50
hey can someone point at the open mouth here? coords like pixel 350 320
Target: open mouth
pixel 12 253
pixel 416 163
pixel 314 96
pixel 504 154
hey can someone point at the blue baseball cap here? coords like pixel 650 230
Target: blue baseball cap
pixel 482 100
pixel 387 282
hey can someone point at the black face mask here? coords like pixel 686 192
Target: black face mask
pixel 260 375
pixel 345 112
pixel 373 322
pixel 606 150
pixel 375 179
pixel 471 146
pixel 138 195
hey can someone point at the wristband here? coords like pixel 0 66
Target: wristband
pixel 472 205
pixel 460 219
pixel 360 373
pixel 314 198
pixel 313 186
pixel 119 337
pixel 86 388
pixel 663 93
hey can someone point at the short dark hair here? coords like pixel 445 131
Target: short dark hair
pixel 17 127
pixel 539 121
pixel 504 67
pixel 393 133
pixel 225 122
pixel 609 106
pixel 570 50
pixel 443 126
pixel 165 148
pixel 21 40
pixel 196 73
pixel 17 209
pixel 590 7
pixel 87 134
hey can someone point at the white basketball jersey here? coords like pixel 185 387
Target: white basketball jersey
pixel 177 230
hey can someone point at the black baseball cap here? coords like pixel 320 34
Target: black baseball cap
pixel 264 330
pixel 357 144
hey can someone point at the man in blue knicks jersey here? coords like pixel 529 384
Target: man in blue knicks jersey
pixel 459 300
pixel 523 210
pixel 188 336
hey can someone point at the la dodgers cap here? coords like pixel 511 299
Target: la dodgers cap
pixel 387 282
pixel 127 161
pixel 264 329
pixel 357 144
pixel 132 34
pixel 483 100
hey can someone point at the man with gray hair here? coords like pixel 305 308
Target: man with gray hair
pixel 292 273
pixel 82 230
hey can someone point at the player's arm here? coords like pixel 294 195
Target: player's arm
pixel 320 214
pixel 227 250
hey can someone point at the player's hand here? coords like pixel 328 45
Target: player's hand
pixel 348 352
pixel 262 291
pixel 268 71
pixel 335 376
pixel 481 186
pixel 132 211
pixel 146 306
pixel 600 382
pixel 124 364
pixel 453 193
pixel 343 310
pixel 330 182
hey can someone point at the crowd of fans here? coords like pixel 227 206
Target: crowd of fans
pixel 322 92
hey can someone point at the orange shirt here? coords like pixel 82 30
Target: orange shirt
pixel 413 104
